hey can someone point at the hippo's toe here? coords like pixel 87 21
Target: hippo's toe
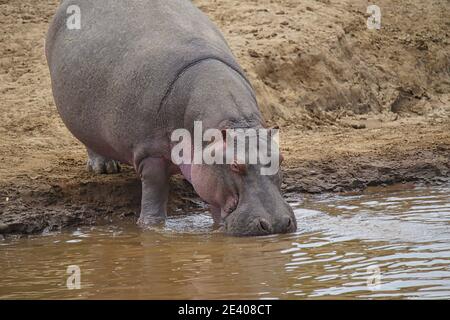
pixel 101 165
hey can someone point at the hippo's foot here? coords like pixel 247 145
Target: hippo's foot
pixel 150 220
pixel 101 165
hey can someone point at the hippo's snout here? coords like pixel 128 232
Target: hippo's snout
pixel 286 224
pixel 264 226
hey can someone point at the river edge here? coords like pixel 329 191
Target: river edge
pixel 56 192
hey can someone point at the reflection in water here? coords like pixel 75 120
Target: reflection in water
pixel 405 233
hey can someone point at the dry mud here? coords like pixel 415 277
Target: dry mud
pixel 357 107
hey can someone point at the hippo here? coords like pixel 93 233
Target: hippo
pixel 135 71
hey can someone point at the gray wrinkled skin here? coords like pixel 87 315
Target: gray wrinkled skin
pixel 137 70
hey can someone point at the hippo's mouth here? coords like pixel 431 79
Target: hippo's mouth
pixel 244 224
pixel 234 225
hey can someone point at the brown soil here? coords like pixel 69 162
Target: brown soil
pixel 357 107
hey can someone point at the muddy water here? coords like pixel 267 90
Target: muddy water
pixel 385 243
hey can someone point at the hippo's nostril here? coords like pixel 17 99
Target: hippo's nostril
pixel 264 225
pixel 288 224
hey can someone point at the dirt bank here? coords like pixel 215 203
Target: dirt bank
pixel 357 107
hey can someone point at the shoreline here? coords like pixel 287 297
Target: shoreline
pixel 58 193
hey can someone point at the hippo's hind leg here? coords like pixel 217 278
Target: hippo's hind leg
pixel 101 165
pixel 155 191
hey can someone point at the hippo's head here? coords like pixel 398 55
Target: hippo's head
pixel 250 202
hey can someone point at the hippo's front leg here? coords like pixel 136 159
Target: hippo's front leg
pixel 155 190
pixel 216 214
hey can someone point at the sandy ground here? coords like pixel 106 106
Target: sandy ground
pixel 357 107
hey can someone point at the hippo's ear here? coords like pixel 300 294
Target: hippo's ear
pixel 270 134
pixel 239 168
pixel 271 129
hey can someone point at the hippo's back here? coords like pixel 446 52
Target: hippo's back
pixel 110 77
